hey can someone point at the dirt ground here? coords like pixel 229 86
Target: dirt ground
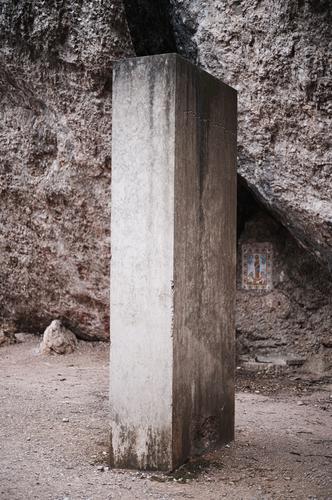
pixel 54 436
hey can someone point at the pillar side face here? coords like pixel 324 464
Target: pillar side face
pixel 204 262
pixel 142 244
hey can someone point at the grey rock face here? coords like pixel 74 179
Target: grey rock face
pixel 55 142
pixel 294 319
pixel 57 339
pixel 275 53
pixel 55 160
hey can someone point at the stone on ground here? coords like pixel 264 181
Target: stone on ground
pixel 7 336
pixel 57 339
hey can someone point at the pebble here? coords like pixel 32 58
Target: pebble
pixel 65 419
pixel 300 403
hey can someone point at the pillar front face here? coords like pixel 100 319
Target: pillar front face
pixel 173 262
pixel 142 248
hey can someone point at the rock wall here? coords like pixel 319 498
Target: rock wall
pixel 55 160
pixel 294 319
pixel 275 53
pixel 55 152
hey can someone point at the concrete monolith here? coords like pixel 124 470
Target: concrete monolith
pixel 173 242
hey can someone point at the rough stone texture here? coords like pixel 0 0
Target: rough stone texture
pixel 55 136
pixel 294 319
pixel 275 53
pixel 7 333
pixel 57 339
pixel 6 338
pixel 55 160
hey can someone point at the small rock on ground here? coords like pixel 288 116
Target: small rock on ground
pixel 58 339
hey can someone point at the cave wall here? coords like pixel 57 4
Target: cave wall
pixel 55 151
pixel 55 161
pixel 275 53
pixel 293 320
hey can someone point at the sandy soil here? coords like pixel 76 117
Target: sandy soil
pixel 54 436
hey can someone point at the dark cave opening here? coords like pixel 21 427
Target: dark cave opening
pixel 150 26
pixel 247 204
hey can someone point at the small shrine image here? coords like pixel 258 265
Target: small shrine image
pixel 257 266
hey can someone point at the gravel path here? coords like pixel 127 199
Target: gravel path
pixel 54 438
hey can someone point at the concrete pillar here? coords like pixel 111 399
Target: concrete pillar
pixel 173 262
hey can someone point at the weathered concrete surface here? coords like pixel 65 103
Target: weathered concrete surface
pixel 173 262
pixel 205 261
pixel 142 262
pixel 55 161
pixel 275 53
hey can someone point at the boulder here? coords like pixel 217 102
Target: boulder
pixel 320 363
pixel 57 339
